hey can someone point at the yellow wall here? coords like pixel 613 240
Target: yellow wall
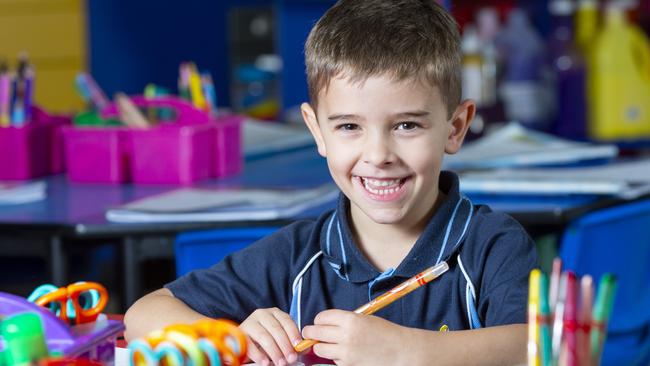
pixel 53 33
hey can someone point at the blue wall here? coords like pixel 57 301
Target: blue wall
pixel 295 20
pixel 133 43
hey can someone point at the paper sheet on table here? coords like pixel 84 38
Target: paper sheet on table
pixel 626 179
pixel 195 204
pixel 513 145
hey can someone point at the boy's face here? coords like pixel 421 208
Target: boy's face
pixel 384 141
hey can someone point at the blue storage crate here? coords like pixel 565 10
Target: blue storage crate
pixel 617 240
pixel 202 249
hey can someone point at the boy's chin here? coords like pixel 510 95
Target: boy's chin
pixel 389 217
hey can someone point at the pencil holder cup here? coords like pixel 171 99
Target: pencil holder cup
pixel 24 151
pixel 226 155
pixel 189 147
pixel 176 151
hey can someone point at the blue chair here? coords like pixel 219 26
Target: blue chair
pixel 202 249
pixel 617 240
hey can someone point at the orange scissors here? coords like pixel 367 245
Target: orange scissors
pixel 81 313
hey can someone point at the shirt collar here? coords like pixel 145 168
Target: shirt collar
pixel 444 232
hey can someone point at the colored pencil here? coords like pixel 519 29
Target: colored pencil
pixel 602 311
pixel 546 356
pixel 571 319
pixel 558 322
pixel 533 329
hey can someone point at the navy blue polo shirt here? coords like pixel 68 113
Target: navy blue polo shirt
pixel 311 266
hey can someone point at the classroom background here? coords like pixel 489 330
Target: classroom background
pixel 91 92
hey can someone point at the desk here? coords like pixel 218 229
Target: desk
pixel 76 211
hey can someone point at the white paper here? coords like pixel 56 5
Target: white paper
pixel 515 146
pixel 626 179
pixel 194 204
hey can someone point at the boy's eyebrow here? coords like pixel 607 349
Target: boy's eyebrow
pixel 415 113
pixel 336 117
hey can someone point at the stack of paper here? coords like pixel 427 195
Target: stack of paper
pixel 12 193
pixel 626 179
pixel 516 146
pixel 194 204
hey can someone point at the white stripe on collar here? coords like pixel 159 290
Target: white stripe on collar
pixel 451 223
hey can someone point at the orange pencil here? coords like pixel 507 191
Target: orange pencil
pixel 393 294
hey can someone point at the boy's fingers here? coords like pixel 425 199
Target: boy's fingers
pixel 326 350
pixel 256 355
pixel 323 333
pixel 332 316
pixel 289 326
pixel 275 328
pixel 259 333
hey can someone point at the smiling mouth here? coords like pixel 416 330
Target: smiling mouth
pixel 382 187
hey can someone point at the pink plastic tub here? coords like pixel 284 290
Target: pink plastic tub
pixel 175 154
pixel 34 149
pixel 24 151
pixel 98 155
pixel 191 148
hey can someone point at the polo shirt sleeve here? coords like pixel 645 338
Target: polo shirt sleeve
pixel 253 278
pixel 509 257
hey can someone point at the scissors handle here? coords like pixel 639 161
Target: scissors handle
pixel 72 292
pixel 59 296
pixel 89 314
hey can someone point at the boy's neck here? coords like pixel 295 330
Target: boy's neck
pixel 386 245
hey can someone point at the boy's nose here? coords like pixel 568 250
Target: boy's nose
pixel 377 151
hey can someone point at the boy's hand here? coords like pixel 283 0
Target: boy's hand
pixel 271 335
pixel 348 338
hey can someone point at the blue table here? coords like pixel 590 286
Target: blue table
pixel 76 211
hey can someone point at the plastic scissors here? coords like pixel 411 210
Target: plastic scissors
pixel 78 303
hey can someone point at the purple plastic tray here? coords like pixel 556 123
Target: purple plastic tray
pixel 95 341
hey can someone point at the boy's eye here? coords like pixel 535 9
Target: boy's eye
pixel 347 127
pixel 408 125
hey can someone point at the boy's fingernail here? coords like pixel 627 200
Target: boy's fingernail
pixel 292 358
pixel 295 342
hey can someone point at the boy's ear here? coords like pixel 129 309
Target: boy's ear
pixel 309 115
pixel 459 124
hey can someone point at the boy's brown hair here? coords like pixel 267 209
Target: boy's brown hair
pixel 406 39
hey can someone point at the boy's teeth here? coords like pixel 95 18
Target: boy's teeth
pixel 381 183
pixel 373 185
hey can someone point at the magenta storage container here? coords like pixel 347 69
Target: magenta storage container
pixel 174 153
pixel 24 151
pixel 34 149
pixel 98 155
pixel 190 148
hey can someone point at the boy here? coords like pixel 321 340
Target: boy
pixel 384 83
